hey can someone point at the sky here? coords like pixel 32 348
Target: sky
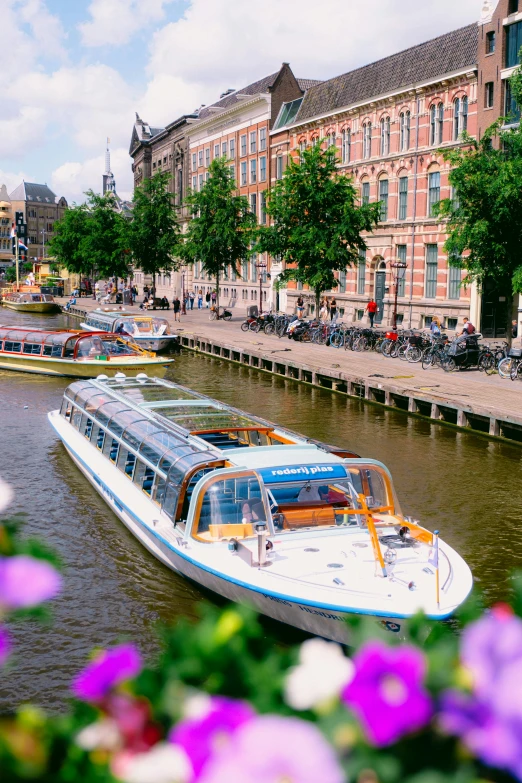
pixel 76 71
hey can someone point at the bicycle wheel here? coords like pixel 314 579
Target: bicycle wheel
pixel 254 326
pixel 401 351
pixel 360 344
pixel 414 354
pixel 213 315
pixel 245 326
pixel 337 340
pixel 227 316
pixel 486 362
pixel 269 328
pixel 427 359
pixel 504 367
pixel 448 364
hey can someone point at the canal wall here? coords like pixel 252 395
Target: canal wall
pixel 468 401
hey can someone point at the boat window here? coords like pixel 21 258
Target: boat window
pixel 154 446
pixel 32 348
pixel 76 418
pixel 110 448
pixel 159 490
pixel 74 390
pixel 52 350
pixel 98 436
pixel 229 508
pixel 88 428
pixel 120 421
pixel 172 456
pixel 84 393
pixel 16 336
pixel 89 348
pixel 170 500
pixel 96 400
pixel 144 477
pixel 126 461
pixel 66 408
pixel 107 411
pixel 68 351
pixel 12 347
pixel 136 433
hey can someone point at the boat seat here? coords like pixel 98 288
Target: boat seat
pixel 113 454
pixel 232 530
pixel 129 469
pixel 309 515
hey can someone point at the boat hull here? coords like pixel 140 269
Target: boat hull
pixel 310 617
pixel 32 307
pixel 69 368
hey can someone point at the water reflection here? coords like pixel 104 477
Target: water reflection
pixel 454 481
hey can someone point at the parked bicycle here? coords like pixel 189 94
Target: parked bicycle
pixel 220 314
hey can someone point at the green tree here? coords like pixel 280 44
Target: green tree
pixel 222 228
pixel 154 230
pixel 68 243
pixel 485 214
pixel 92 236
pixel 316 223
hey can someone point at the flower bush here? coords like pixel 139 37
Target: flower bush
pixel 226 702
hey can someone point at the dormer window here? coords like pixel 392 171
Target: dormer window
pixel 513 7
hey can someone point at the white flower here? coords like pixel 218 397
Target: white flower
pixel 6 495
pixel 322 672
pixel 103 734
pixel 197 706
pixel 164 763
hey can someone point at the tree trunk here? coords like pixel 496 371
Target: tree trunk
pixel 318 293
pixel 217 290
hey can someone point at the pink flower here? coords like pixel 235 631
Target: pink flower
pixel 108 669
pixel 270 749
pixel 26 581
pixel 202 736
pixel 5 645
pixel 387 692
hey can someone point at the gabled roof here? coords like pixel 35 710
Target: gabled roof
pixel 446 54
pixel 31 191
pixel 262 85
pixel 305 84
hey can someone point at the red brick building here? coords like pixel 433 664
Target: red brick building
pixel 389 122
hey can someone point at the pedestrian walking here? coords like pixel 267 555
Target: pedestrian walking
pixel 333 309
pixel 192 296
pixel 214 298
pixel 323 311
pixel 371 309
pixel 176 306
pixel 207 299
pixel 200 299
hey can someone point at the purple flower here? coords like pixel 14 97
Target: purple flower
pixel 387 692
pixel 271 749
pixel 201 736
pixel 495 742
pixel 5 645
pixel 109 668
pixel 26 581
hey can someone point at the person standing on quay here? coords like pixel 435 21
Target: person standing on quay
pixel 200 299
pixel 192 296
pixel 176 306
pixel 333 308
pixel 371 309
pixel 207 299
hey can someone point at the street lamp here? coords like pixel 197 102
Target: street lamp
pixel 260 265
pixel 183 306
pixel 43 232
pixel 398 266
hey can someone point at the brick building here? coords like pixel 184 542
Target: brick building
pixel 388 122
pixel 6 221
pixel 41 210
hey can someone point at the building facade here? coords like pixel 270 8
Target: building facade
pixel 6 221
pixel 389 123
pixel 41 209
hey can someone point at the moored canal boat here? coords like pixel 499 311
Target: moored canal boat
pixel 146 331
pixel 74 354
pixel 307 533
pixel 29 302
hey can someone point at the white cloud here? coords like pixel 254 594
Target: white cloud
pixel 19 132
pixel 218 44
pixel 11 179
pixel 115 22
pixel 73 178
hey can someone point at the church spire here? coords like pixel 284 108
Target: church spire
pixel 109 183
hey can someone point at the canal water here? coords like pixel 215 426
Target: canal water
pixel 464 485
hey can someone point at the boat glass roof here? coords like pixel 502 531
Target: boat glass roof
pixel 120 421
pixel 140 393
pixel 137 432
pixel 206 417
pixel 107 411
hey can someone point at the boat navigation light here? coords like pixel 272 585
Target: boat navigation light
pixel 120 376
pixel 141 376
pixel 102 377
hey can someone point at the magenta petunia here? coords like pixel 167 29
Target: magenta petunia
pixel 5 645
pixel 387 692
pixel 272 749
pixel 108 669
pixel 201 737
pixel 494 741
pixel 26 582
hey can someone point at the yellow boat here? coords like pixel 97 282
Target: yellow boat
pixel 30 302
pixel 74 354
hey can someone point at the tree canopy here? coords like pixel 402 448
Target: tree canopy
pixel 222 229
pixel 485 213
pixel 154 231
pixel 316 222
pixel 92 235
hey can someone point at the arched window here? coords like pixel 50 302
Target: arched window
pixel 302 147
pixel 346 145
pixel 385 136
pixel 405 123
pixel 367 140
pixel 365 192
pixel 440 123
pixel 433 190
pixel 460 116
pixel 330 140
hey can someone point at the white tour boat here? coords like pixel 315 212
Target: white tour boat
pixel 144 330
pixel 306 533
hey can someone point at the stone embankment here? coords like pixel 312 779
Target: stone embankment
pixel 467 400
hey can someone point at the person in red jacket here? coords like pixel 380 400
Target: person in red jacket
pixel 371 309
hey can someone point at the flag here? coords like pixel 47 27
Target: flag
pixel 434 554
pixel 13 231
pixel 21 244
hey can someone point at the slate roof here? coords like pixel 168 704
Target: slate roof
pixel 31 191
pixel 305 84
pixel 443 55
